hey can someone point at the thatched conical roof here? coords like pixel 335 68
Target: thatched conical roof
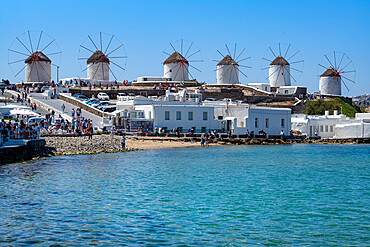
pixel 227 60
pixel 279 60
pixel 330 72
pixel 37 56
pixel 175 58
pixel 97 57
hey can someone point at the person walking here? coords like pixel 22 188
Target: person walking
pixel 123 142
pixel 63 108
pixel 282 134
pixel 73 112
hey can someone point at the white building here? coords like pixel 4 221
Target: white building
pixel 176 67
pixel 279 72
pixel 186 111
pixel 241 117
pixel 321 125
pixel 38 68
pixel 354 128
pixel 98 67
pixel 333 126
pixel 261 86
pixel 227 71
pixel 330 82
pixel 165 114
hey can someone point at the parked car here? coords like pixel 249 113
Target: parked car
pixel 45 88
pixel 121 96
pixel 92 101
pixel 82 97
pixel 109 109
pixel 105 103
pixel 97 103
pixel 37 120
pixel 103 96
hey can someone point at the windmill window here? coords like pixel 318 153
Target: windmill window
pixel 170 70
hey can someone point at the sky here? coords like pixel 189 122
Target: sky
pixel 146 29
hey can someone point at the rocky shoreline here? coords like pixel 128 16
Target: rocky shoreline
pixel 68 145
pixel 84 145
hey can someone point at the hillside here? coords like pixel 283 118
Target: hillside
pixel 318 107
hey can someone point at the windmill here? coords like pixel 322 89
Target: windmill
pixel 229 67
pixel 178 64
pixel 31 52
pixel 338 69
pixel 103 57
pixel 281 65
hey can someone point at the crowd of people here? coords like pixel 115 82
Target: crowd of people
pixel 11 129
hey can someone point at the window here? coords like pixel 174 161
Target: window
pixel 178 115
pixel 286 91
pixel 282 122
pixel 166 115
pixel 220 117
pixel 267 122
pixel 321 128
pixel 256 122
pixel 190 115
pixel 331 128
pixel 205 115
pixel 326 128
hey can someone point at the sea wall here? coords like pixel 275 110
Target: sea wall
pixel 80 104
pixel 30 149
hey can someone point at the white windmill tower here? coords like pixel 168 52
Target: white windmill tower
pixel 38 68
pixel 177 65
pixel 280 67
pixel 331 80
pixel 98 66
pixel 37 64
pixel 279 72
pixel 228 69
pixel 99 62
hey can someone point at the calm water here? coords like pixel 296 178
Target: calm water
pixel 232 196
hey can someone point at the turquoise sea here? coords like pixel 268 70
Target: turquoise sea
pixel 291 195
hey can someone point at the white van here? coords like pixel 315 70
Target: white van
pixel 37 120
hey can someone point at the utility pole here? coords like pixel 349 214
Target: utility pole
pixel 58 73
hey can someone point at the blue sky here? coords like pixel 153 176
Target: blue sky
pixel 146 28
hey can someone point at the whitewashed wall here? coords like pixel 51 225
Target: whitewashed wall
pixel 38 72
pixel 178 72
pixel 98 71
pixel 279 76
pixel 227 74
pixel 330 85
